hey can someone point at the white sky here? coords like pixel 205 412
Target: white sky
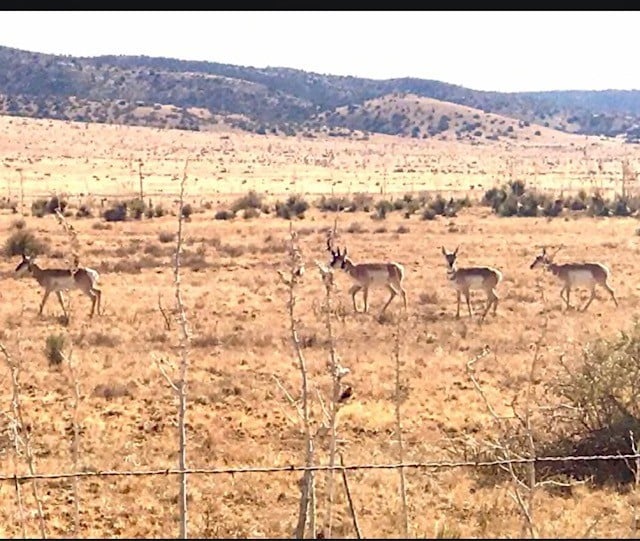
pixel 506 51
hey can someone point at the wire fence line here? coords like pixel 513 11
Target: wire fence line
pixel 319 467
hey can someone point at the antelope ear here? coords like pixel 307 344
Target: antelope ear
pixel 444 252
pixel 345 252
pixel 456 252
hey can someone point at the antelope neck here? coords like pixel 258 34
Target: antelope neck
pixel 451 272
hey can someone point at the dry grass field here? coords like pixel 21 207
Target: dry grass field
pixel 236 306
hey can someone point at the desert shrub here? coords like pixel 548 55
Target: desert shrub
pixel 250 213
pixel 620 206
pixel 53 349
pixel 154 250
pixel 509 207
pixel 7 203
pixel 251 200
pixel 224 214
pixel 137 208
pixel 438 205
pixel 429 214
pixel 517 187
pixel 383 207
pixel 39 207
pixel 335 203
pixel 84 211
pixel 24 241
pixel 166 236
pixel 602 394
pixel 187 211
pixel 576 203
pixel 402 229
pixel 295 206
pixel 101 226
pixel 54 203
pixel 356 227
pixel 362 201
pixel 494 197
pixel 598 206
pixel 553 208
pixel 527 204
pixel 18 224
pixel 117 213
pixel 399 204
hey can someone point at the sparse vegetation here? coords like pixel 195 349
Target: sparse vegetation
pixel 53 349
pixel 24 241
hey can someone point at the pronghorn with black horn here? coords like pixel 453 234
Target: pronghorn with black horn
pixel 366 275
pixel 576 274
pixel 463 280
pixel 58 280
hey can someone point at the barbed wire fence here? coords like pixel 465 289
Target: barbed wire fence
pixel 293 468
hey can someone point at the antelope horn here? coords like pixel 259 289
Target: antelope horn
pixel 554 253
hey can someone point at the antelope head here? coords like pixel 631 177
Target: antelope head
pixel 25 264
pixel 543 259
pixel 337 258
pixel 450 256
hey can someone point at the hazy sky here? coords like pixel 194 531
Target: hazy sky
pixel 506 51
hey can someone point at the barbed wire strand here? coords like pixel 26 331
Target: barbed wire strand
pixel 319 467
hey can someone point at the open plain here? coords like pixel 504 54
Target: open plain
pixel 243 370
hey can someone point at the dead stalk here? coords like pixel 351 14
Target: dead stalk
pixel 15 438
pixel 352 509
pixel 524 490
pixel 16 409
pixel 307 489
pixel 141 185
pixel 73 237
pixel 179 387
pixel 398 400
pixel 184 350
pixel 337 372
pixel 167 321
pixel 75 444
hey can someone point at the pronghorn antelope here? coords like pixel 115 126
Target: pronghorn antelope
pixel 58 280
pixel 465 279
pixel 575 275
pixel 366 275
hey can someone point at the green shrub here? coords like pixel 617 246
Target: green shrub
pixel 24 241
pixel 429 214
pixel 601 391
pixel 383 207
pixel 509 207
pixel 166 236
pixel 137 208
pixel 53 349
pixel 117 213
pixel 335 203
pixel 224 214
pixel 598 206
pixel 250 213
pixel 84 211
pixel 250 201
pixel 295 206
pixel 187 211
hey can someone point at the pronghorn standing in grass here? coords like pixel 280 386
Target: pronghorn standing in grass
pixel 465 279
pixel 575 275
pixel 59 280
pixel 366 275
